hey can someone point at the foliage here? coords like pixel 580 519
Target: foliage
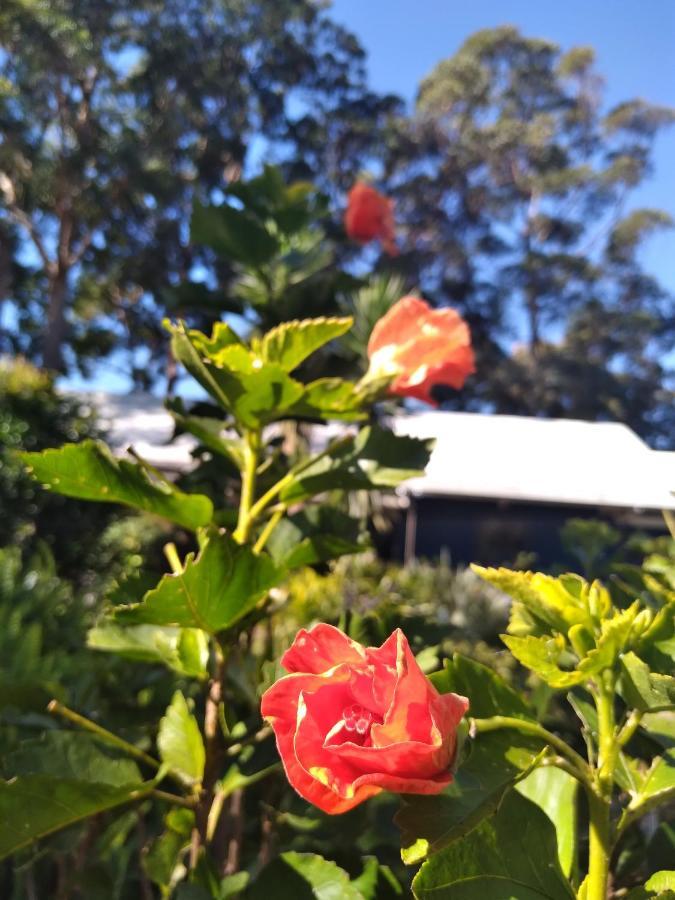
pixel 150 107
pixel 34 416
pixel 167 784
pixel 510 181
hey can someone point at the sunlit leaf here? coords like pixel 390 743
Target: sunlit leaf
pixel 89 471
pixel 511 856
pixel 180 742
pixel 213 592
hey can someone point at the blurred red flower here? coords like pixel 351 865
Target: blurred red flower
pixel 351 721
pixel 370 216
pixel 420 347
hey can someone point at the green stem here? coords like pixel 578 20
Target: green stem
pixel 248 480
pixel 600 799
pixel 173 558
pixel 631 726
pixel 288 478
pixel 186 802
pixel 270 525
pixel 598 847
pixel 578 766
pixel 58 709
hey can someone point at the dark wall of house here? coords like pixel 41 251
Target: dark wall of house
pixel 491 532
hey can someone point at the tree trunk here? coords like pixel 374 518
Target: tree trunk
pixel 55 332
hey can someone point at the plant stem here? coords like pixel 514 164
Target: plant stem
pixel 598 847
pixel 58 709
pixel 600 799
pixel 288 478
pixel 248 479
pixel 270 525
pixel 578 766
pixel 173 558
pixel 631 726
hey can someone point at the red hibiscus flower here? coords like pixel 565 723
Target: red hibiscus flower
pixel 370 216
pixel 420 347
pixel 351 721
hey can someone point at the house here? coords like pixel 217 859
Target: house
pixel 494 487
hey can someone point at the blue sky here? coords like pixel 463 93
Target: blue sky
pixel 634 41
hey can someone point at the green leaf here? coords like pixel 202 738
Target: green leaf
pixel 643 690
pixel 34 806
pixel 89 471
pixel 541 655
pixel 291 343
pixel 303 876
pixel 253 392
pixel 179 741
pixel 232 233
pixel 660 886
pixel 512 855
pixel 376 458
pixel 559 603
pixel 210 433
pixel 213 592
pixel 659 783
pixel 163 856
pixel 72 755
pixel 331 398
pixel 185 650
pixel 555 792
pixel 489 693
pixel 314 535
pixel 377 882
pixel 496 761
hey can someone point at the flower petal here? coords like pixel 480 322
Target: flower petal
pixel 321 648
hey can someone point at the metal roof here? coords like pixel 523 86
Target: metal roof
pixel 545 460
pixel 562 461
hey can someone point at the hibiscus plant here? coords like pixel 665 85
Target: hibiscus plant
pixel 497 791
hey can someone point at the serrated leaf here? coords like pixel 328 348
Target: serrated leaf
pixel 89 471
pixel 661 886
pixel 232 233
pixel 642 689
pixel 376 458
pixel 209 432
pixel 291 343
pixel 72 755
pixel 180 742
pixel 300 876
pixel 185 650
pixel 556 602
pixel 490 694
pixel 512 856
pixel 541 655
pixel 495 762
pixel 556 792
pixel 213 592
pixel 314 535
pixel 33 806
pixel 331 398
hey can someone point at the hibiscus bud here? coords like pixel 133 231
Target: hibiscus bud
pixel 370 216
pixel 352 721
pixel 642 622
pixel 418 347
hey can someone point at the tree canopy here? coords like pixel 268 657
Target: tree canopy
pixel 511 180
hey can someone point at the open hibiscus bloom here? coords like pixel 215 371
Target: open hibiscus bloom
pixel 351 721
pixel 370 216
pixel 420 347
